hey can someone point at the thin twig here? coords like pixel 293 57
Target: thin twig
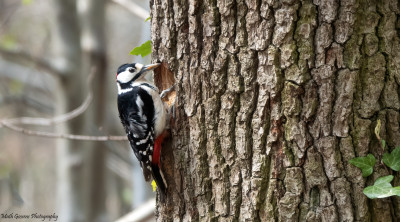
pixel 61 135
pixel 134 8
pixel 10 123
pixel 22 57
pixel 57 119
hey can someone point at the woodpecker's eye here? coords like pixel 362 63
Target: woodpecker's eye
pixel 131 70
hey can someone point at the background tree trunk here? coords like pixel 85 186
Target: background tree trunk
pixel 273 99
pixel 81 48
pixel 94 56
pixel 71 199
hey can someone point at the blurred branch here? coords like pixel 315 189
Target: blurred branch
pixel 10 123
pixel 26 75
pixel 134 8
pixel 145 212
pixel 21 57
pixel 60 135
pixel 61 118
pixel 26 100
pixel 6 13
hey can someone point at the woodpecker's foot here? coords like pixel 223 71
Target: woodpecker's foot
pixel 166 91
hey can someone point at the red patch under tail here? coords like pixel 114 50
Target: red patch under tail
pixel 157 148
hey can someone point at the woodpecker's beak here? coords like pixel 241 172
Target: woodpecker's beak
pixel 150 67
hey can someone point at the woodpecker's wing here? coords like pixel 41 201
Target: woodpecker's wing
pixel 141 149
pixel 136 111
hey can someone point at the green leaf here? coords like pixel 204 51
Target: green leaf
pixel 384 180
pixel 366 164
pixel 382 188
pixel 126 195
pixel 5 166
pixel 392 160
pixel 8 42
pixel 147 19
pixel 4 170
pixel 396 190
pixel 142 50
pixel 27 2
pixel 383 144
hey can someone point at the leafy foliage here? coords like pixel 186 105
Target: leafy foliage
pixel 382 188
pixel 143 50
pixel 147 19
pixel 383 144
pixel 392 160
pixel 5 167
pixel 27 2
pixel 366 164
pixel 8 42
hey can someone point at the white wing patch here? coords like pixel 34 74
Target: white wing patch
pixel 160 113
pixel 139 103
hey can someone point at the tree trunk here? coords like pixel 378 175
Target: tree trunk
pixel 80 47
pixel 273 100
pixel 92 14
pixel 71 199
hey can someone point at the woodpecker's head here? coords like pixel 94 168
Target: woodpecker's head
pixel 134 71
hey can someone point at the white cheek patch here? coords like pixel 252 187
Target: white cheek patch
pixel 125 77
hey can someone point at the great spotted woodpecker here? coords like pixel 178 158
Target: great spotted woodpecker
pixel 144 118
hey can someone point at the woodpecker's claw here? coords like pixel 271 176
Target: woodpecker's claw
pixel 166 91
pixel 170 106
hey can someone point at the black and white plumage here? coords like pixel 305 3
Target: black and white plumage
pixel 143 116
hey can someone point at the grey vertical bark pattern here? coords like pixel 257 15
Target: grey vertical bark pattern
pixel 273 99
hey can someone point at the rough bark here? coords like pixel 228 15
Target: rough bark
pixel 273 100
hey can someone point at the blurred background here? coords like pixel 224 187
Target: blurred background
pixel 48 48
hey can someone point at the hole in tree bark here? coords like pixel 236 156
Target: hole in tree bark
pixel 164 79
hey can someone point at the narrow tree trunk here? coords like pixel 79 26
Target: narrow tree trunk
pixel 273 99
pixel 92 14
pixel 71 91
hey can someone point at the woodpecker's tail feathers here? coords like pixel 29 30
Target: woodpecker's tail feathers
pixel 146 172
pixel 159 178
